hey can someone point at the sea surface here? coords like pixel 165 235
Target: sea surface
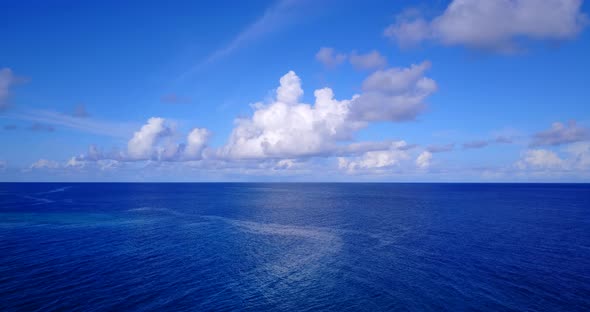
pixel 294 247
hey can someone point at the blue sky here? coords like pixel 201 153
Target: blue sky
pixel 195 91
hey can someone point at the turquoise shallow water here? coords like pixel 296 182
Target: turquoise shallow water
pixel 367 247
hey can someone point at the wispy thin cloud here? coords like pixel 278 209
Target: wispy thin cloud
pixel 275 18
pixel 8 80
pixel 47 117
pixel 39 127
pixel 280 14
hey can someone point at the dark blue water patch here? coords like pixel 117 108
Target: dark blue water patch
pixel 257 247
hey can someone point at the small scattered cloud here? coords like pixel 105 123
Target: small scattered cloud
pixel 579 154
pixel 74 164
pixel 108 164
pixel 80 111
pixel 423 160
pixel 3 165
pixel 441 148
pixel 357 148
pixel 78 163
pixel 371 60
pixel 375 159
pixel 504 139
pixel 329 57
pixel 475 144
pixel 475 24
pixel 45 164
pixel 560 134
pixel 39 127
pixel 285 164
pixel 94 153
pixel 172 98
pixel 10 127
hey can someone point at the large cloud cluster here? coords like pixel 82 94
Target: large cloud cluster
pixel 286 130
pixel 287 127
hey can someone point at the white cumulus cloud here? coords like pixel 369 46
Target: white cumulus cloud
pixel 157 140
pixel 540 159
pixel 44 164
pixel 375 159
pixel 141 146
pixel 492 25
pixel 75 162
pixel 196 142
pixel 285 131
pixel 287 128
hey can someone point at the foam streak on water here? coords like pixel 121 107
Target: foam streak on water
pixel 285 247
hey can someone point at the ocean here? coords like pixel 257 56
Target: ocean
pixel 294 247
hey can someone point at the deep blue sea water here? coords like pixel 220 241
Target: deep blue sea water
pixel 294 247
